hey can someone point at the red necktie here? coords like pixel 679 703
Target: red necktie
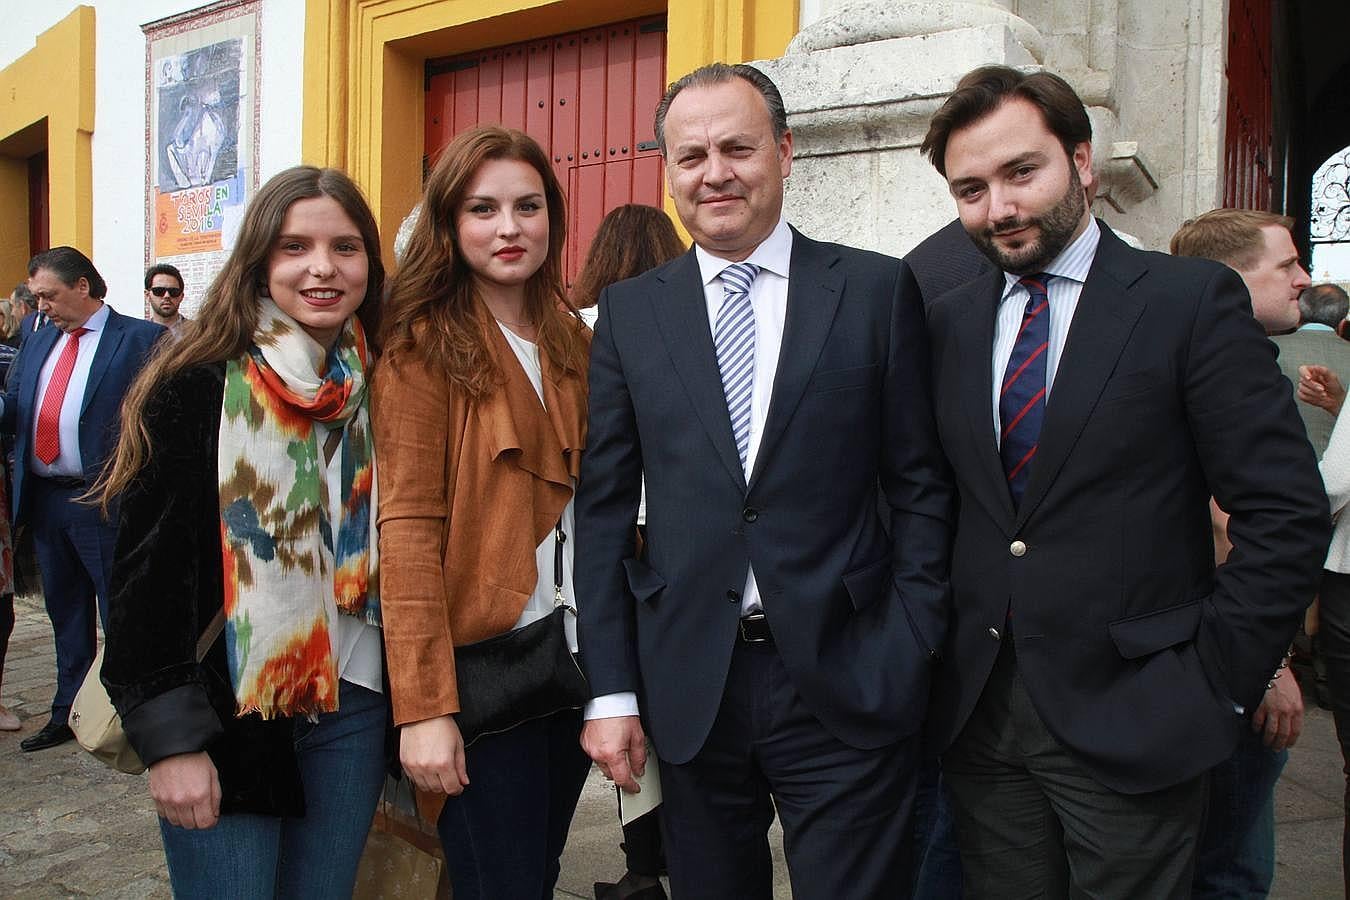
pixel 47 446
pixel 1021 405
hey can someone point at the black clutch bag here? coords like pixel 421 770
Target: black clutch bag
pixel 526 673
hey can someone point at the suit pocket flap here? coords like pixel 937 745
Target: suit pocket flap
pixel 867 584
pixel 838 379
pixel 1141 635
pixel 643 580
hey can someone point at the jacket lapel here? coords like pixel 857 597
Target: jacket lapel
pixel 682 316
pixel 815 286
pixel 544 441
pixel 108 345
pixel 975 360
pixel 1106 315
pixel 35 353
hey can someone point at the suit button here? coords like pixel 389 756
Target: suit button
pixel 1018 549
pixel 734 596
pixel 749 514
pixel 993 633
pixel 935 656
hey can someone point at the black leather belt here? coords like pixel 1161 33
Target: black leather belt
pixel 65 481
pixel 755 629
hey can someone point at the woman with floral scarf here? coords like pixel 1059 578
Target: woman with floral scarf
pixel 245 484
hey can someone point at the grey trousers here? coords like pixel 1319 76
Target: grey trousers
pixel 1031 821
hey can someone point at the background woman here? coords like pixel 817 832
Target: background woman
pixel 245 479
pixel 480 411
pixel 630 240
pixel 1334 603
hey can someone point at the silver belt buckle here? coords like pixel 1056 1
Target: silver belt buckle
pixel 752 617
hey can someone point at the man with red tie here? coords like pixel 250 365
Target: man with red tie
pixel 63 410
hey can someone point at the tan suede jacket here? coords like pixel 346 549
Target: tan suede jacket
pixel 467 491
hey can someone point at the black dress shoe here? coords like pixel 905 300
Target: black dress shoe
pixel 606 890
pixel 50 735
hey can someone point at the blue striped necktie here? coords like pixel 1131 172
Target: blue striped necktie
pixel 1021 402
pixel 734 337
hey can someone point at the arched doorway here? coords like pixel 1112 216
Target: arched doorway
pixel 1329 219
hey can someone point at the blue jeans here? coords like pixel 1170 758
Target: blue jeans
pixel 1237 844
pixel 249 857
pixel 504 836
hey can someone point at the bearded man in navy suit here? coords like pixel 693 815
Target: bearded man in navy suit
pixel 1091 398
pixel 64 411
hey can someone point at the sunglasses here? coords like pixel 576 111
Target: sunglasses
pixel 159 291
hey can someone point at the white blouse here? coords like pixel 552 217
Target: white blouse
pixel 540 603
pixel 356 645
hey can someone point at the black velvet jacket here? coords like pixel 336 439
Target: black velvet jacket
pixel 166 586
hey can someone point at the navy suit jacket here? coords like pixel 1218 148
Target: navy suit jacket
pixel 946 259
pixel 122 350
pixel 1132 646
pixel 857 613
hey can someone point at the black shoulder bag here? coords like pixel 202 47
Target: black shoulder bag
pixel 526 673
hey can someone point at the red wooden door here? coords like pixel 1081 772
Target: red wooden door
pixel 1249 146
pixel 39 205
pixel 588 97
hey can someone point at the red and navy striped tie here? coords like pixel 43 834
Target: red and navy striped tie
pixel 1021 402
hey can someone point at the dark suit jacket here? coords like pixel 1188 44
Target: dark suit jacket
pixel 166 585
pixel 946 259
pixel 25 331
pixel 857 615
pixel 1323 348
pixel 1132 646
pixel 122 350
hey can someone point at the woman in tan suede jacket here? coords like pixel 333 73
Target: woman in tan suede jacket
pixel 479 411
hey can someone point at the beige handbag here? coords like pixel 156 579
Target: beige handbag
pixel 95 721
pixel 403 857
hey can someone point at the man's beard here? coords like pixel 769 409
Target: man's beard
pixel 1056 227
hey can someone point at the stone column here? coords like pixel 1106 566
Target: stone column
pixel 861 84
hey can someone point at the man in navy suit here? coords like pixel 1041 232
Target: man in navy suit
pixel 1091 398
pixel 64 413
pixel 775 638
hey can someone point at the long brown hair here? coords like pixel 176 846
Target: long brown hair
pixel 223 329
pixel 432 310
pixel 630 240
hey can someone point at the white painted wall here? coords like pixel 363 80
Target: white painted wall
pixel 119 153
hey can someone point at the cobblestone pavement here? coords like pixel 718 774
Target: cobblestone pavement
pixel 70 827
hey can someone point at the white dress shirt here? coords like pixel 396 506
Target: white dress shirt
pixel 768 298
pixel 68 462
pixel 1070 269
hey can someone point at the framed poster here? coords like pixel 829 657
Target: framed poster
pixel 202 115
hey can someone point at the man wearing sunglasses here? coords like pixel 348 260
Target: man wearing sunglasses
pixel 163 294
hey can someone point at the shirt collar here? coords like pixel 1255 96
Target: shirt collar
pixel 98 320
pixel 774 254
pixel 1073 262
pixel 1316 326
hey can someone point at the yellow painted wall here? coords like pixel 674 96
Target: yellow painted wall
pixel 52 83
pixel 14 223
pixel 363 80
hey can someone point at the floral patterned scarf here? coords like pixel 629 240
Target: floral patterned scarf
pixel 282 553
